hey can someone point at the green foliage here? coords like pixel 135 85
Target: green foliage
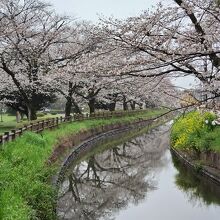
pixel 198 166
pixel 41 114
pixel 194 131
pixel 55 112
pixel 11 111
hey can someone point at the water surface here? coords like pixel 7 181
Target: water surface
pixel 137 179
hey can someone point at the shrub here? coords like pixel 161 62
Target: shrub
pixel 53 113
pixel 41 114
pixel 191 132
pixel 57 111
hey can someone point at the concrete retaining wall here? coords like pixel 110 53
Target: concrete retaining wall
pixel 90 138
pixel 207 171
pixel 212 159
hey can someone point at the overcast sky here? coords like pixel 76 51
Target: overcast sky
pixel 92 9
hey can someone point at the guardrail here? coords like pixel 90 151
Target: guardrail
pixel 55 122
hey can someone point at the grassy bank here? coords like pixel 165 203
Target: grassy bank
pixel 194 131
pixel 25 192
pixel 9 121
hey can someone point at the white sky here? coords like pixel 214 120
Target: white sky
pixel 92 9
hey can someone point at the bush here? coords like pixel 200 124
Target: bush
pixel 10 111
pixel 192 131
pixel 41 114
pixel 53 113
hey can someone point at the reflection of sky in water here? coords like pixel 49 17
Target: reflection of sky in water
pixel 142 188
pixel 169 203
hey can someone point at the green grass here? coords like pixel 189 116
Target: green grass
pixel 9 122
pixel 25 188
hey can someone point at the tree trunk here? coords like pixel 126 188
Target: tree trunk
pixel 22 116
pixel 112 106
pixel 32 114
pixel 91 105
pixel 125 104
pixel 76 107
pixel 69 102
pixel 132 103
pixel 18 117
pixel 68 107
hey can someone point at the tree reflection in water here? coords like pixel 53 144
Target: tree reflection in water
pixel 107 182
pixel 199 190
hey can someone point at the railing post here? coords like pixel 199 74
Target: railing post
pixel 53 122
pixel 48 123
pixel 1 139
pixel 38 126
pixel 42 125
pixel 21 131
pixel 7 134
pixel 25 127
pixel 45 124
pixel 13 134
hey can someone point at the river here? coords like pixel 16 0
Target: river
pixel 136 179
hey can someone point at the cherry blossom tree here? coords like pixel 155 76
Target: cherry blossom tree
pixel 127 62
pixel 31 49
pixel 178 40
pixel 67 78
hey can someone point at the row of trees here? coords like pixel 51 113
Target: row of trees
pixel 44 55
